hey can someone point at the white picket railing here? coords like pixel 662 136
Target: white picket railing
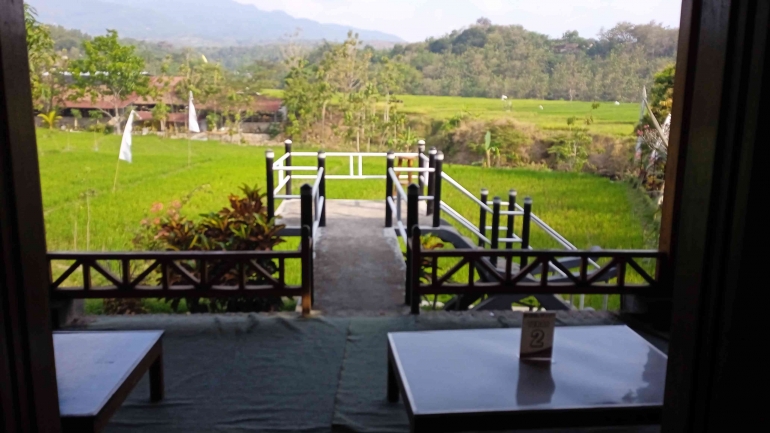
pixel 286 173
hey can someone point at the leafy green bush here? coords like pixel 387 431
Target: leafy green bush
pixel 570 150
pixel 274 130
pixel 242 226
pixel 101 128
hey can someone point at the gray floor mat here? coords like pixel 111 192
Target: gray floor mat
pixel 243 373
pixel 238 373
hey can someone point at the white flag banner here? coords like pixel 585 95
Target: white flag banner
pixel 193 117
pixel 125 144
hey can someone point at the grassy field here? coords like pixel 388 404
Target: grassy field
pixel 588 210
pixel 609 119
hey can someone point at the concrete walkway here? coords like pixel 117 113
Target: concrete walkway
pixel 359 269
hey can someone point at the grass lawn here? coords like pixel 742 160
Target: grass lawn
pixel 586 209
pixel 609 119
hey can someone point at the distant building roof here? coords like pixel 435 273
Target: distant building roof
pixel 177 117
pixel 259 104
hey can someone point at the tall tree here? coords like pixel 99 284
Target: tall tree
pixel 53 84
pixel 301 100
pixel 110 71
pixel 40 47
pixel 570 78
pixel 662 92
pixel 346 69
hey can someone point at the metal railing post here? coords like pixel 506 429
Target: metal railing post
pixel 389 189
pixel 287 148
pixel 525 229
pixel 431 180
pixel 322 186
pixel 495 227
pixel 414 271
pixel 269 158
pixel 483 216
pixel 412 222
pixel 437 190
pixel 511 219
pixel 420 164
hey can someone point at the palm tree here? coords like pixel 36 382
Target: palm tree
pixel 50 119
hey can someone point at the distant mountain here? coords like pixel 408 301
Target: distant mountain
pixel 191 22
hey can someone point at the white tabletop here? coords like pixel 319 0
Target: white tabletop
pixel 479 370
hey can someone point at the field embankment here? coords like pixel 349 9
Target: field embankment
pixel 524 132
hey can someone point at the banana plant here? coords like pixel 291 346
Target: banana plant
pixel 50 119
pixel 489 149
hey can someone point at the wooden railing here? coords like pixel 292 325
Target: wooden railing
pixel 188 274
pixel 521 272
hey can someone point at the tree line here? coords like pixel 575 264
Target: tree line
pixel 482 60
pixel 334 90
pixel 107 69
pixel 489 61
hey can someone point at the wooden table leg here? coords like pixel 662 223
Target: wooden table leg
pixel 392 382
pixel 157 386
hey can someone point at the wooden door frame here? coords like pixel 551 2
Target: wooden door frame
pixel 29 397
pixel 711 228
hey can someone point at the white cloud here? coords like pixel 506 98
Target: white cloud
pixel 416 20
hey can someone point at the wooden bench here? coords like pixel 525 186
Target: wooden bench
pixel 96 371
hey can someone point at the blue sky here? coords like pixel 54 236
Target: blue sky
pixel 415 20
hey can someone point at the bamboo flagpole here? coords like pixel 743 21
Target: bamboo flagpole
pixel 192 126
pixel 642 109
pixel 125 148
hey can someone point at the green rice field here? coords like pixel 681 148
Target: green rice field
pixel 83 213
pixel 609 119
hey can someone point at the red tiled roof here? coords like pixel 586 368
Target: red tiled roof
pixel 266 104
pixel 177 117
pixel 143 115
pixel 260 104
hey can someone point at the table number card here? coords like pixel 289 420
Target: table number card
pixel 537 331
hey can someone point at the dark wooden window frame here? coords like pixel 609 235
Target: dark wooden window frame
pixel 28 393
pixel 714 190
pixel 714 217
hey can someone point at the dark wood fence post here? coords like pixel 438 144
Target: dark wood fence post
pixel 495 227
pixel 483 215
pixel 511 219
pixel 287 148
pixel 306 219
pixel 437 190
pixel 431 179
pixel 269 158
pixel 307 269
pixel 412 222
pixel 525 229
pixel 322 186
pixel 414 271
pixel 306 206
pixel 389 189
